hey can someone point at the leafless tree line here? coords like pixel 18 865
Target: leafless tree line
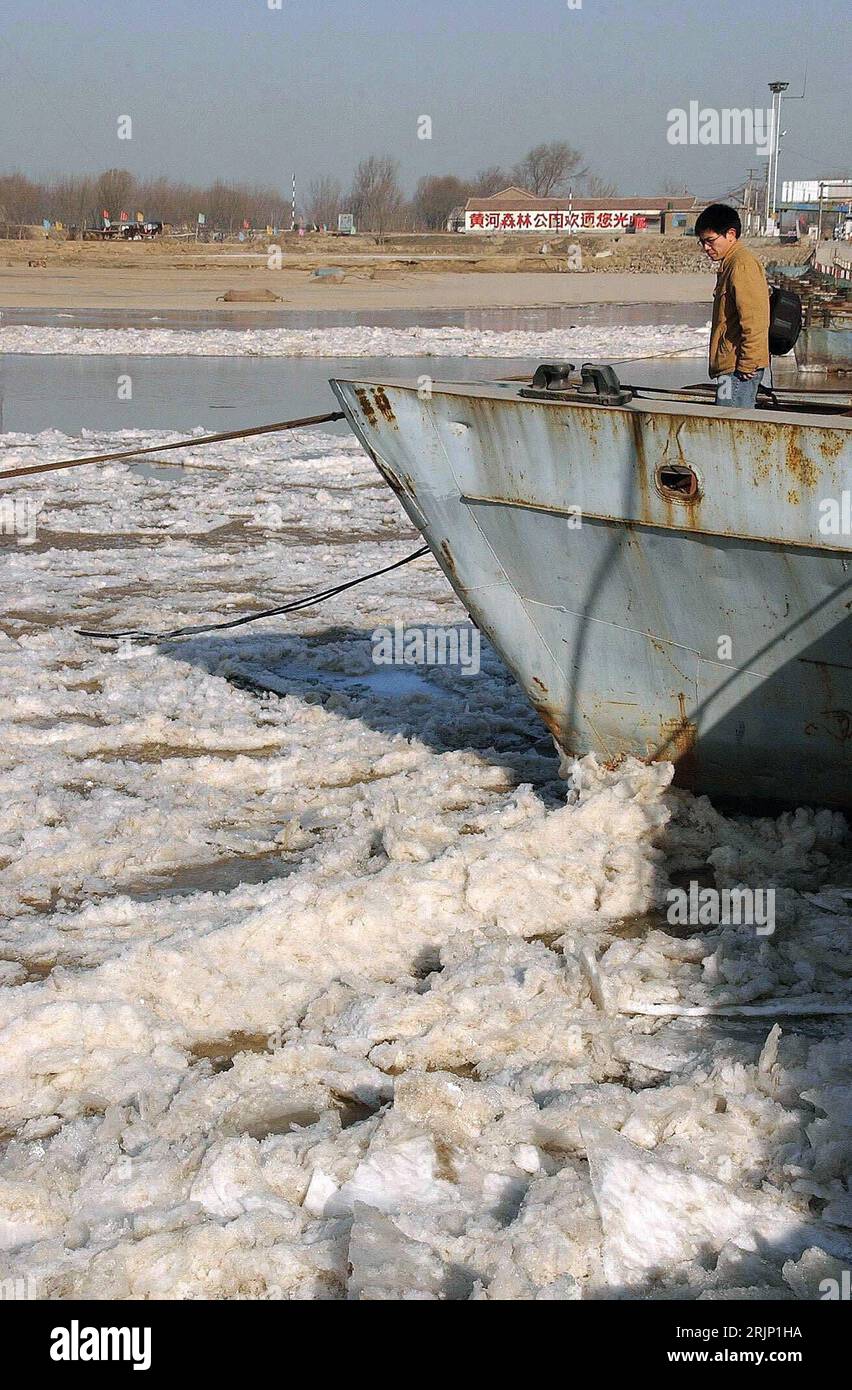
pixel 379 205
pixel 80 201
pixel 375 197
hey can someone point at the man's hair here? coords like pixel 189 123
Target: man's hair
pixel 718 218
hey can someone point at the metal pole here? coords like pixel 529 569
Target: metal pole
pixel 819 222
pixel 776 88
pixel 767 205
pixel 766 190
pixel 777 153
pixel 769 167
pixel 753 203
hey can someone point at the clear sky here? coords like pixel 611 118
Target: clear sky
pixel 236 89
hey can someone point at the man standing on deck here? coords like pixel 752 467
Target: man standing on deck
pixel 739 337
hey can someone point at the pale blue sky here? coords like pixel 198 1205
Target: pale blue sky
pixel 235 89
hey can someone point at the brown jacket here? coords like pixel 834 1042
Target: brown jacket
pixel 739 338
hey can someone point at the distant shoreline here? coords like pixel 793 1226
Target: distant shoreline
pixel 437 272
pixel 168 290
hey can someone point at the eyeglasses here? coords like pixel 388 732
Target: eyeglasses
pixel 706 241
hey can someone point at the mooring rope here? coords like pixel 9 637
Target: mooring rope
pixel 193 443
pixel 137 635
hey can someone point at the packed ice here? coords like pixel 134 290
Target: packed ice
pixel 315 985
pixel 644 340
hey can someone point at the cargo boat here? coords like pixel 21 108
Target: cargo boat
pixel 664 578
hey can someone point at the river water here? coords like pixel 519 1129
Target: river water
pixel 72 393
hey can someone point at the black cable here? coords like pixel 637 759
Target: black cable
pixel 136 635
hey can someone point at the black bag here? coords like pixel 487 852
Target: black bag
pixel 785 321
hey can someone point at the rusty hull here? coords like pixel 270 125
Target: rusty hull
pixel 662 578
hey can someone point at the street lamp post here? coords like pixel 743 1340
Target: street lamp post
pixel 776 88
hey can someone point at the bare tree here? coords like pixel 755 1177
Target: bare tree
pixel 435 197
pixel 115 191
pixel 600 188
pixel 376 195
pixel 265 207
pixel 489 181
pixel 226 206
pixel 21 200
pixel 675 188
pixel 72 201
pixel 174 203
pixel 325 201
pixel 547 169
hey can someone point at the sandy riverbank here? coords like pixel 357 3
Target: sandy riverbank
pixel 167 289
pixel 434 273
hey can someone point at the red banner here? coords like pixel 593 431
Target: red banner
pixel 604 220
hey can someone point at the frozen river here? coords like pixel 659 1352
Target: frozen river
pixel 317 980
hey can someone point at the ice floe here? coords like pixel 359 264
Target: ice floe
pixel 312 987
pixel 639 340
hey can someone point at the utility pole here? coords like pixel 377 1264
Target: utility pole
pixel 766 196
pixel 754 194
pixel 776 88
pixel 748 196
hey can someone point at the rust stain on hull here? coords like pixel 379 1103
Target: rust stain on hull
pixel 679 745
pixel 836 722
pixel 363 398
pixel 390 478
pixel 831 447
pixel 552 723
pixel 800 465
pixel 384 405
